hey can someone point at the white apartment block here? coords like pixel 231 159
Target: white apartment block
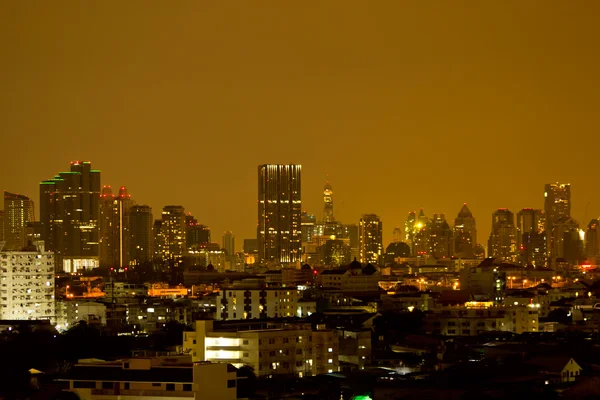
pixel 27 285
pixel 235 304
pixel 291 350
pixel 70 312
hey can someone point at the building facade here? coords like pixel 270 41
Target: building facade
pixel 371 239
pixel 502 243
pixel 18 212
pixel 173 231
pixel 141 240
pixel 115 235
pixel 27 284
pixel 69 212
pixel 279 213
pixel 465 234
pixel 240 303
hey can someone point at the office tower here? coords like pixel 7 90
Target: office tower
pixel 173 231
pixel 531 237
pixel 34 231
pixel 229 243
pixel 592 242
pixel 307 222
pixel 409 228
pixel 371 239
pixel 440 237
pixel 336 252
pixel 115 235
pixel 69 212
pixel 502 243
pixel 279 213
pixel 27 284
pixel 567 241
pixel 557 208
pixel 328 204
pixel 351 232
pixel 250 246
pixel 197 235
pixel 141 239
pixel 465 234
pixel 158 240
pixel 18 211
pixel 397 235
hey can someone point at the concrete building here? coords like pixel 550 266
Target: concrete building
pixel 277 349
pixel 243 303
pixel 114 227
pixel 354 279
pixel 502 242
pixel 70 312
pixel 465 234
pixel 174 378
pixel 27 284
pixel 173 231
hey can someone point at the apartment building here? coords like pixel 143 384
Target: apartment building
pixel 240 303
pixel 279 349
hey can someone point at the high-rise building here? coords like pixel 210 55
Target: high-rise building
pixel 141 242
pixel 27 279
pixel 409 228
pixel 557 208
pixel 465 233
pixel 279 213
pixel 502 243
pixel 592 242
pixel 328 204
pixel 197 235
pixel 229 243
pixel 531 237
pixel 371 239
pixel 158 240
pixel 440 237
pixel 307 222
pixel 567 242
pixel 336 252
pixel 18 212
pixel 114 242
pixel 69 213
pixel 397 235
pixel 173 230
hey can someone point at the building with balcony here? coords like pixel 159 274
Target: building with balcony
pixel 257 303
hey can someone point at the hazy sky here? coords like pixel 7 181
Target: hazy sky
pixel 404 104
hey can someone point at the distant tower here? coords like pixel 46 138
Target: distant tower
pixel 440 237
pixel 465 233
pixel 18 211
pixel 279 213
pixel 229 243
pixel 531 237
pixel 409 228
pixel 557 207
pixel 397 235
pixel 502 243
pixel 113 245
pixel 328 206
pixel 371 239
pixel 173 232
pixel 140 225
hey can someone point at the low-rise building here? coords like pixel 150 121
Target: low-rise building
pixel 239 303
pixel 173 378
pixel 281 349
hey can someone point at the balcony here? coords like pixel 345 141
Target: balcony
pixel 142 393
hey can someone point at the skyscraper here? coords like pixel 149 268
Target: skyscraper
pixel 141 242
pixel 328 204
pixel 557 207
pixel 114 242
pixel 69 214
pixel 18 211
pixel 440 237
pixel 173 230
pixel 409 229
pixel 531 237
pixel 279 213
pixel 371 239
pixel 592 242
pixel 465 233
pixel 567 242
pixel 307 222
pixel 197 235
pixel 502 243
pixel 397 235
pixel 229 243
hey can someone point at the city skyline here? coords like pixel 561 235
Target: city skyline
pixel 394 87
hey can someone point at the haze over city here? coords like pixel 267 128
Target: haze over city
pixel 403 104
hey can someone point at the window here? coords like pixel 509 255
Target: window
pixel 194 341
pixel 84 385
pixel 187 387
pixel 171 387
pixel 231 383
pixel 126 385
pixel 125 365
pixel 107 385
pixel 245 342
pixel 246 355
pixel 330 350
